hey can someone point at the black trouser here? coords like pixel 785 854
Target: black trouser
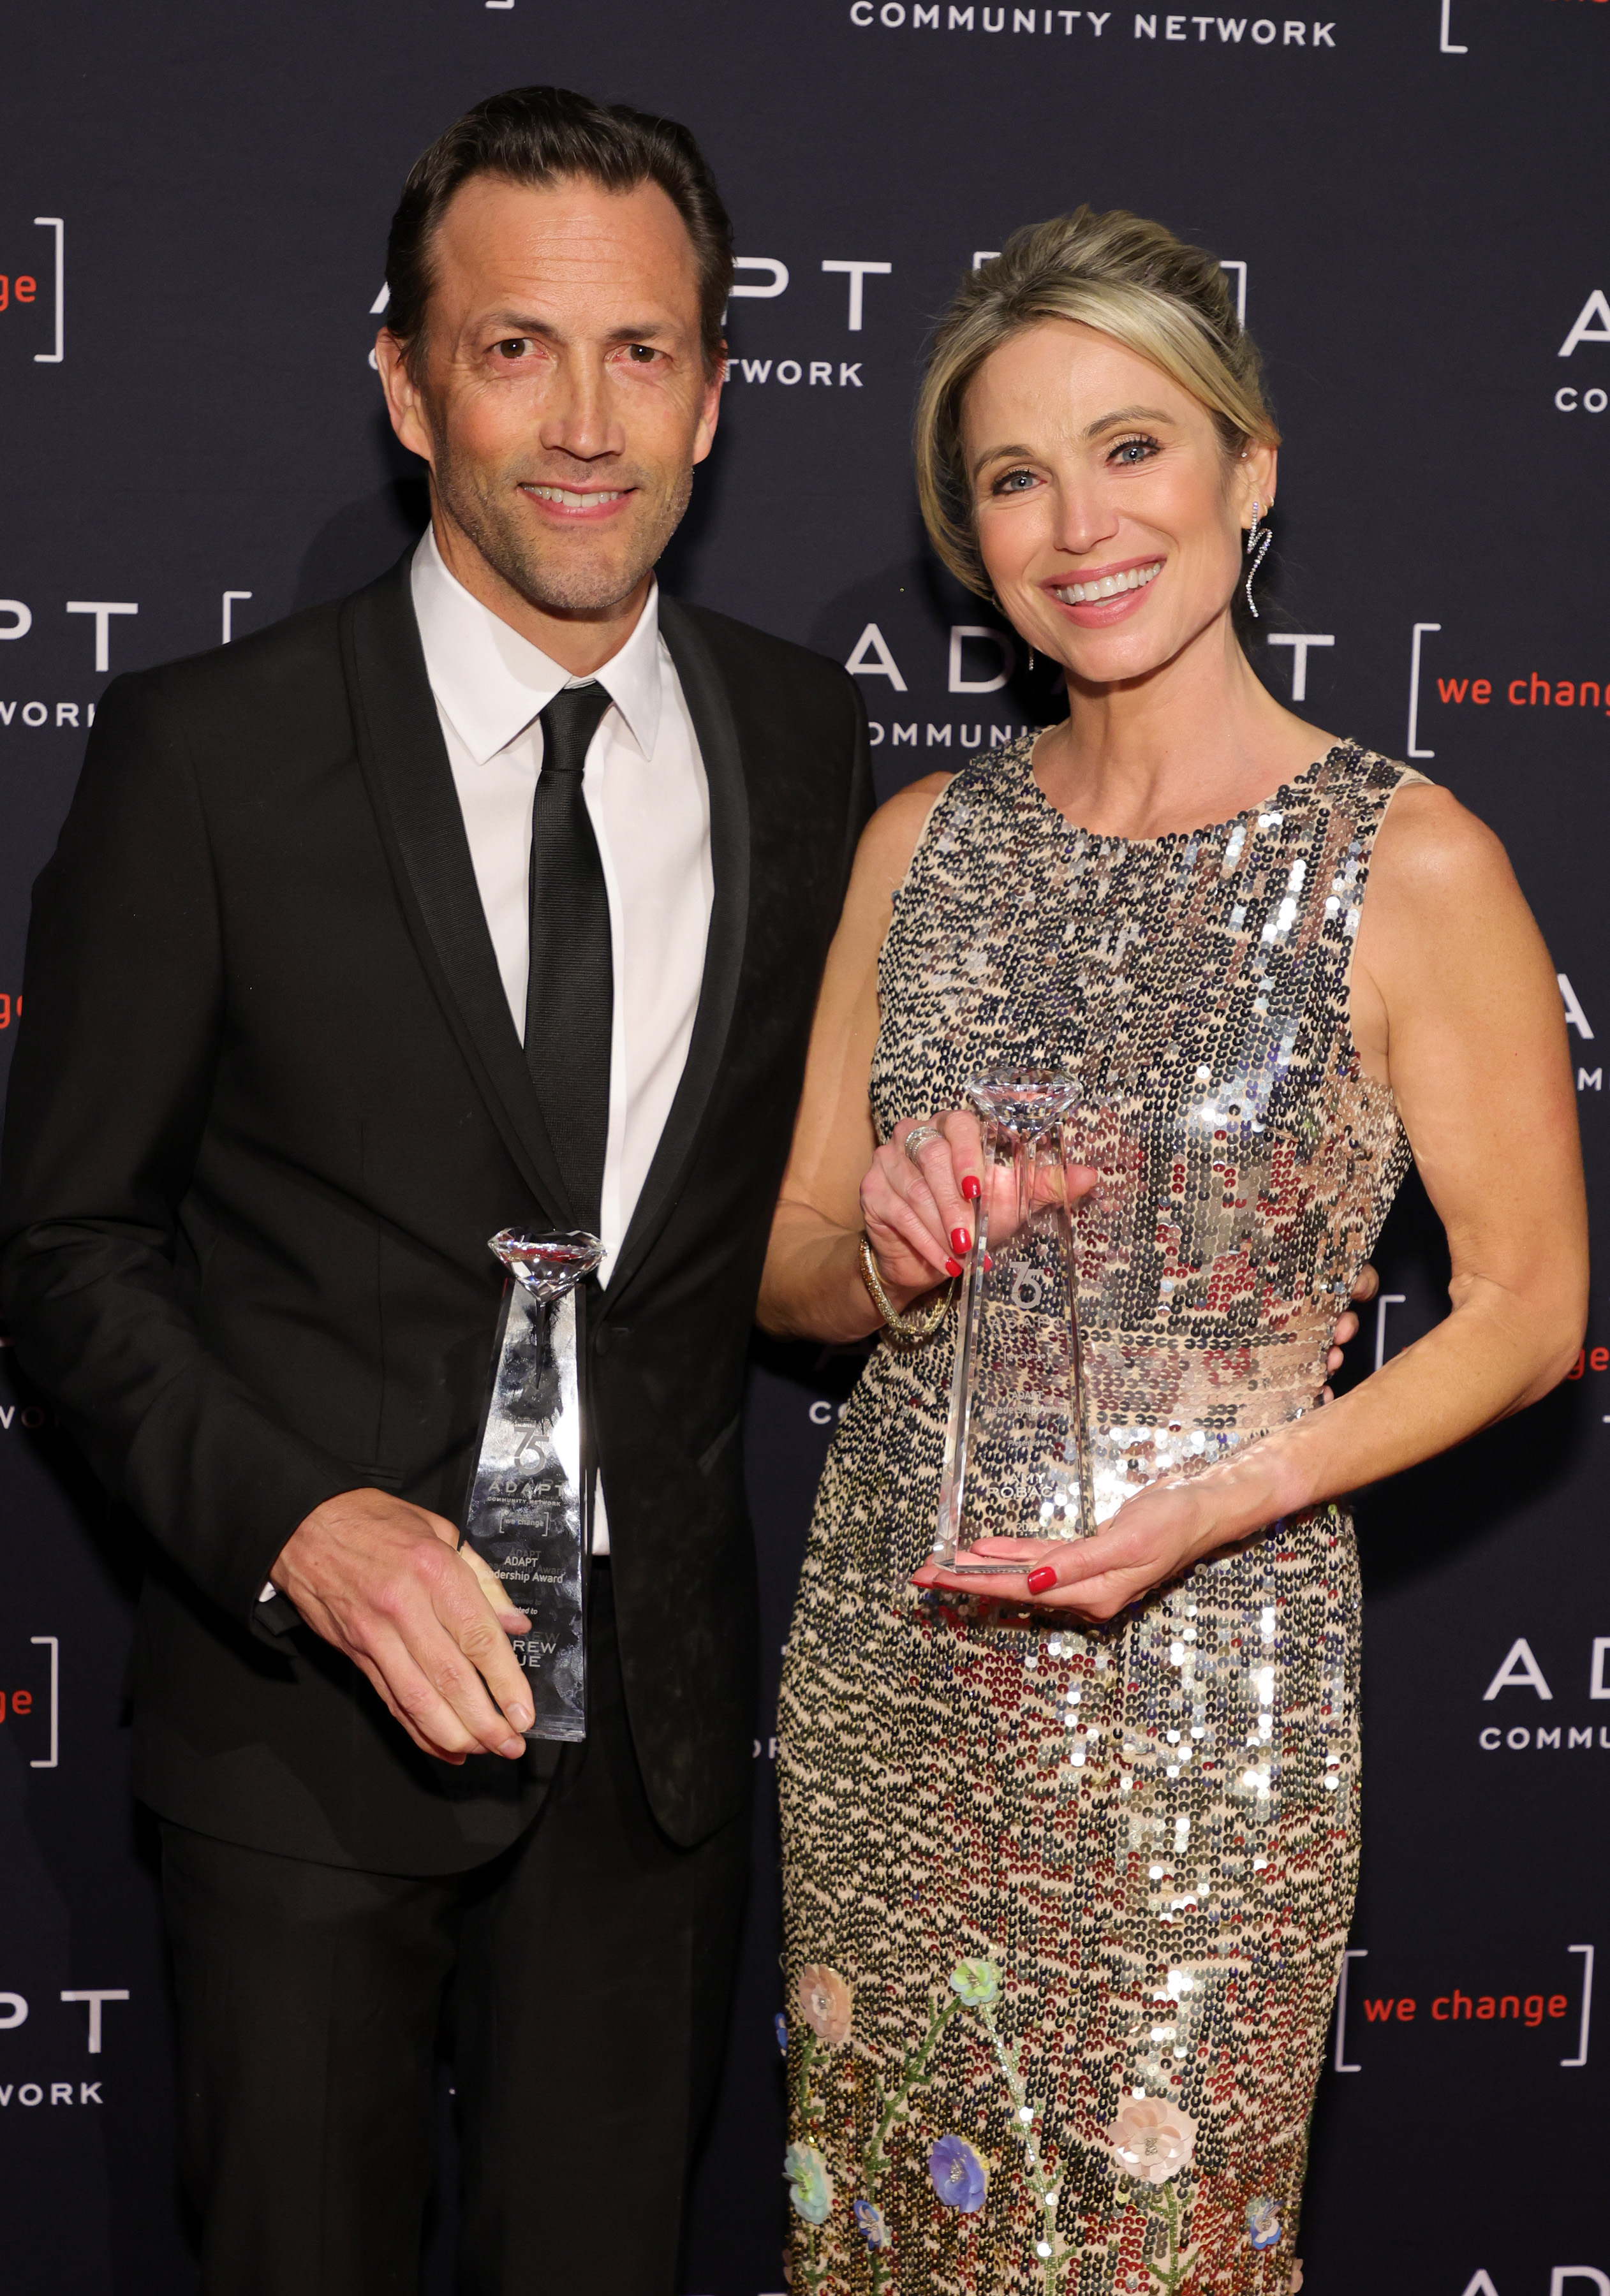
pixel 583 1979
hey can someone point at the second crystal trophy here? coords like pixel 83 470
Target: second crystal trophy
pixel 1016 1459
pixel 528 1516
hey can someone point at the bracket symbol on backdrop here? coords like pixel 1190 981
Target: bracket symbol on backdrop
pixel 232 598
pixel 52 1760
pixel 1420 630
pixel 55 357
pixel 1354 1953
pixel 1575 2064
pixel 1448 46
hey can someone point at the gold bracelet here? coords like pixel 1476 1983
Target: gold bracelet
pixel 912 1329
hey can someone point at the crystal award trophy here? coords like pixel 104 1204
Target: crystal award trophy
pixel 1016 1461
pixel 526 1517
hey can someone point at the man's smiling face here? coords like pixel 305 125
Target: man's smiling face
pixel 561 395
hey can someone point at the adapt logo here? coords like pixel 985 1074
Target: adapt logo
pixel 1563 2280
pixel 772 282
pixel 1157 25
pixel 17 621
pixel 1520 1671
pixel 1589 330
pixel 17 2091
pixel 969 672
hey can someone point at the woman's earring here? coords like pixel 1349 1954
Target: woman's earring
pixel 1257 544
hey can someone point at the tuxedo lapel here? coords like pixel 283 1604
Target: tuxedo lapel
pixel 410 781
pixel 729 835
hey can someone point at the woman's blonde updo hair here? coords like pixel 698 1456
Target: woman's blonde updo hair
pixel 1133 280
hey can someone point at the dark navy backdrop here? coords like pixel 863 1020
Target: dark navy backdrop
pixel 193 200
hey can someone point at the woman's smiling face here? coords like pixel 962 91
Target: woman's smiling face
pixel 1109 517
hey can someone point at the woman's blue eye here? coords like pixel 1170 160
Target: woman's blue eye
pixel 1011 482
pixel 1134 450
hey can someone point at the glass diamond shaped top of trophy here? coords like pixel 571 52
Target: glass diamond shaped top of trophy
pixel 526 1516
pixel 1016 1460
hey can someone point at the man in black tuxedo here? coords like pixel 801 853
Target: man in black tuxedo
pixel 495 895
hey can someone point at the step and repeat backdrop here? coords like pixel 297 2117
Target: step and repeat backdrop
pixel 1410 198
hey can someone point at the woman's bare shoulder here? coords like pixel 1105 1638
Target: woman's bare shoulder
pixel 1432 852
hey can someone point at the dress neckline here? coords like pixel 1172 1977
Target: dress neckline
pixel 1295 783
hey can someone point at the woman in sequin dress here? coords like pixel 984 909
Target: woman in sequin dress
pixel 1069 1867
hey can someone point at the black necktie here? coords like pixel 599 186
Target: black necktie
pixel 569 992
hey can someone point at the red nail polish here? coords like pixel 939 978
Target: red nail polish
pixel 972 1188
pixel 1041 1580
pixel 960 1241
pixel 989 1263
pixel 952 1269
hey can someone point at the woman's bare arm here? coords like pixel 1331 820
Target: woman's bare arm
pixel 1455 1004
pixel 812 1287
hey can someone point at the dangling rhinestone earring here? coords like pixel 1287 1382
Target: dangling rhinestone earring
pixel 1256 546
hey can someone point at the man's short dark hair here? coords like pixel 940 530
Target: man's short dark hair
pixel 542 135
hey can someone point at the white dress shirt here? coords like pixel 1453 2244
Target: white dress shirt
pixel 649 805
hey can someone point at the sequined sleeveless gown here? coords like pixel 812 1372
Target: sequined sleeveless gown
pixel 1064 1908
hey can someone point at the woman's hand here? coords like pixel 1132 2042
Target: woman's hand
pixel 1366 1284
pixel 1157 1535
pixel 922 1193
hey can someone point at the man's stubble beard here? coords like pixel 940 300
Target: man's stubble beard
pixel 549 579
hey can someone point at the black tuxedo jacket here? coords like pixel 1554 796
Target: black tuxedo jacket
pixel 266 1108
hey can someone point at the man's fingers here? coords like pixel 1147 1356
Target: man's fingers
pixel 415 1700
pixel 465 1613
pixel 509 1616
pixel 377 1683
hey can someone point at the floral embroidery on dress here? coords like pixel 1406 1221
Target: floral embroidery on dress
pixel 810 2185
pixel 1154 2142
pixel 958 2175
pixel 827 2004
pixel 1263 2223
pixel 1151 2140
pixel 871 2224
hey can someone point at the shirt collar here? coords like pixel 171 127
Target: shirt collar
pixel 490 682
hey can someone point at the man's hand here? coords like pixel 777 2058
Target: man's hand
pixel 381 1581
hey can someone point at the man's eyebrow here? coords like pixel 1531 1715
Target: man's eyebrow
pixel 511 321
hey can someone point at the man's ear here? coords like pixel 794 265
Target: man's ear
pixel 405 401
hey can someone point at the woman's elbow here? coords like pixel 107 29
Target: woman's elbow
pixel 1562 1328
